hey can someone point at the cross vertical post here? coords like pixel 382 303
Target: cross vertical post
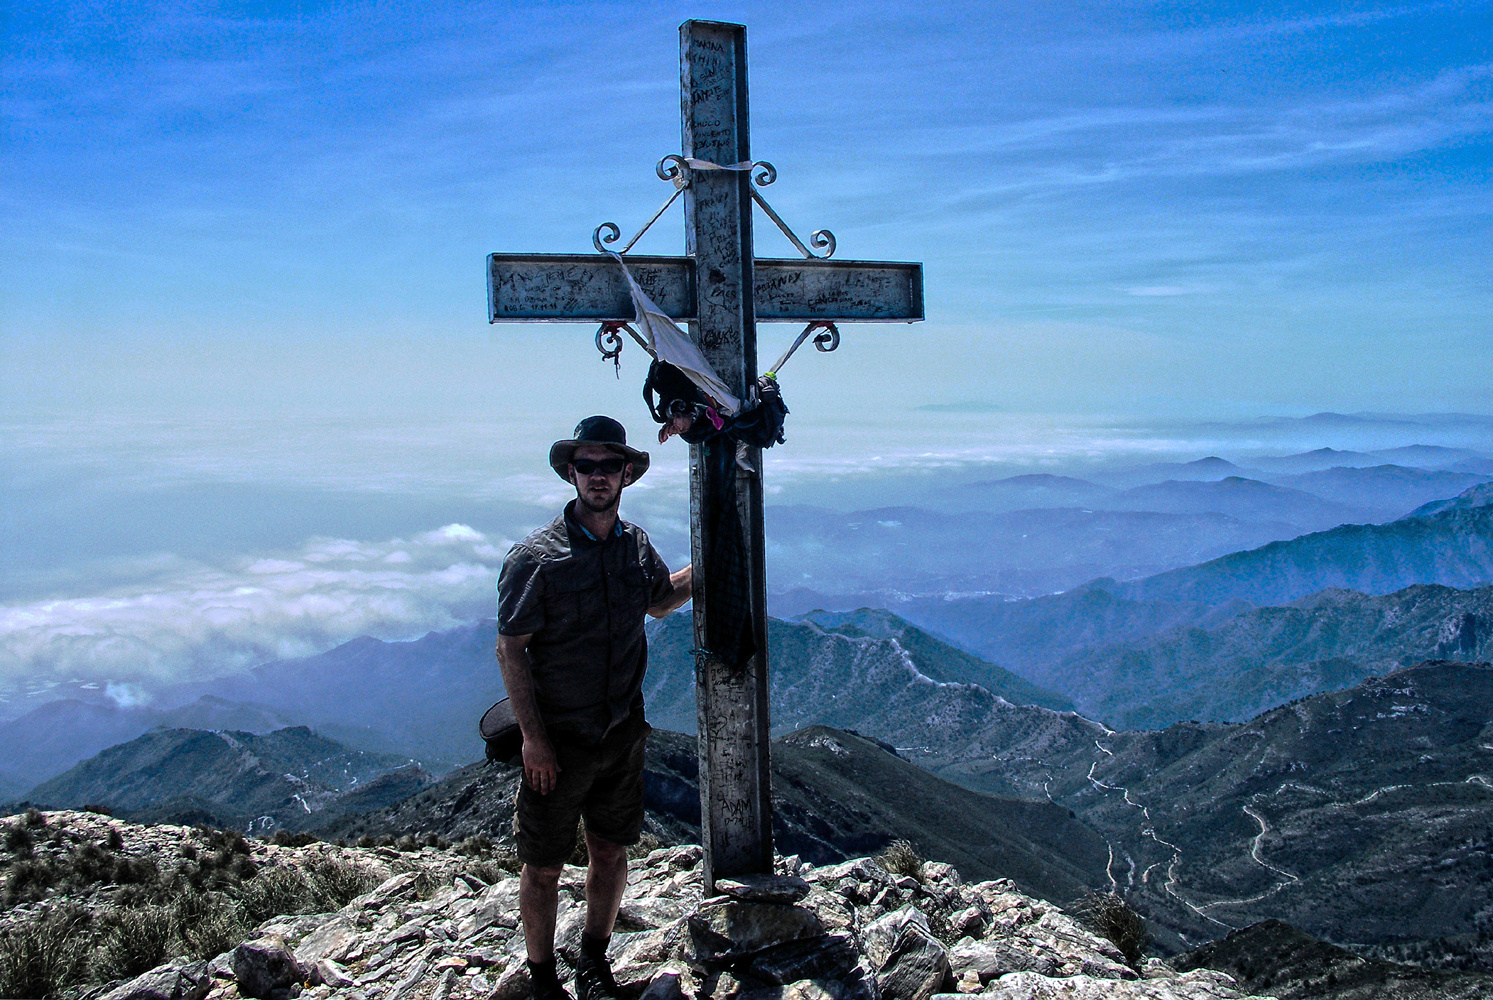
pixel 735 778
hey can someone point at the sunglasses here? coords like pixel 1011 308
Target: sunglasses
pixel 608 466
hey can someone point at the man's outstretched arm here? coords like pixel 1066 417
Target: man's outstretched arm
pixel 683 583
pixel 540 766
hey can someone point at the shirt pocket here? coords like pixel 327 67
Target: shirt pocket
pixel 576 599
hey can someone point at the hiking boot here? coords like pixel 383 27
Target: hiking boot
pixel 593 978
pixel 545 984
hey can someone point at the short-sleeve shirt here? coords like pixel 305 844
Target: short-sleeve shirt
pixel 583 600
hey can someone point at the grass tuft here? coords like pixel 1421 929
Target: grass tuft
pixel 44 955
pixel 1112 918
pixel 901 858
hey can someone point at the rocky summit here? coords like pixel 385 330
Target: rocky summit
pixel 439 928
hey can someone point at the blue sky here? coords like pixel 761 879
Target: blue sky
pixel 1138 208
pixel 250 404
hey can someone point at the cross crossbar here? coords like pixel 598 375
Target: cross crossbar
pixel 571 288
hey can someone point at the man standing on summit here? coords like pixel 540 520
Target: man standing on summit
pixel 571 600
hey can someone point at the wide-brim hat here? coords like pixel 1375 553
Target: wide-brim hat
pixel 597 430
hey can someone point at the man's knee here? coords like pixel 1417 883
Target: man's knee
pixel 604 851
pixel 545 877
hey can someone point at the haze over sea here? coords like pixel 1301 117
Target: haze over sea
pixel 250 406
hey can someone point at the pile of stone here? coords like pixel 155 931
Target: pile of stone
pixel 850 931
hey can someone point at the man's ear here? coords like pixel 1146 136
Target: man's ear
pixel 570 474
pixel 627 474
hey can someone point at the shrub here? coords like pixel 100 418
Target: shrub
pixel 406 843
pixel 284 838
pixel 98 810
pixel 367 841
pixel 207 923
pixel 901 858
pixel 29 881
pixel 18 841
pixel 42 956
pixel 476 846
pixel 115 840
pixel 1112 918
pixel 134 941
pixel 336 883
pixel 34 817
pixel 272 893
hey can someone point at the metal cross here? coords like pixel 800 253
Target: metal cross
pixel 722 290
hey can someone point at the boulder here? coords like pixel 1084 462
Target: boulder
pixel 910 963
pixel 189 981
pixel 832 956
pixel 989 960
pixel 266 968
pixel 728 929
pixel 335 939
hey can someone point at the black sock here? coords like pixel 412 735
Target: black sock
pixel 543 972
pixel 595 947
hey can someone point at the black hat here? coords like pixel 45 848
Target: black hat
pixel 597 430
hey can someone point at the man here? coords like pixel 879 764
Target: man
pixel 571 600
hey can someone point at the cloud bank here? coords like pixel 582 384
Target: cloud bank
pixel 206 620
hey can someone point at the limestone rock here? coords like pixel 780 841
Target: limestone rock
pixel 190 981
pixel 763 888
pixel 910 963
pixel 266 968
pixel 731 928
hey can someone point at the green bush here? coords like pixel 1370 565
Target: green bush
pixel 901 858
pixel 34 817
pixel 476 846
pixel 284 838
pixel 406 843
pixel 207 923
pixel 1112 918
pixel 44 955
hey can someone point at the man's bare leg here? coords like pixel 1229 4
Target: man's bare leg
pixel 538 895
pixel 606 880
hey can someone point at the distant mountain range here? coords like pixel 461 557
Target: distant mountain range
pixel 1362 815
pixel 254 782
pixel 1448 543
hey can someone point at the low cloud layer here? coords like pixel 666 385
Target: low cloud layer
pixel 208 620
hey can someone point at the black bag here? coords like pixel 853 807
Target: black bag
pixel 499 729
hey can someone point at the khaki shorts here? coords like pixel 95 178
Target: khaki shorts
pixel 603 783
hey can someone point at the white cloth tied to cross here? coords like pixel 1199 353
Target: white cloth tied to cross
pixel 669 343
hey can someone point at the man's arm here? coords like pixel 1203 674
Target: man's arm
pixel 683 583
pixel 540 766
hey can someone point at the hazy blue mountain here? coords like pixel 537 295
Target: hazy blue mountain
pixel 1029 492
pixel 1386 491
pixel 1028 635
pixel 868 671
pixel 1024 552
pixel 53 737
pixel 1360 815
pixel 238 779
pixel 418 699
pixel 1244 499
pixel 1266 657
pixel 1478 496
pixel 1453 547
pixel 1207 469
pixel 1426 456
pixel 1314 461
pixel 1476 466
